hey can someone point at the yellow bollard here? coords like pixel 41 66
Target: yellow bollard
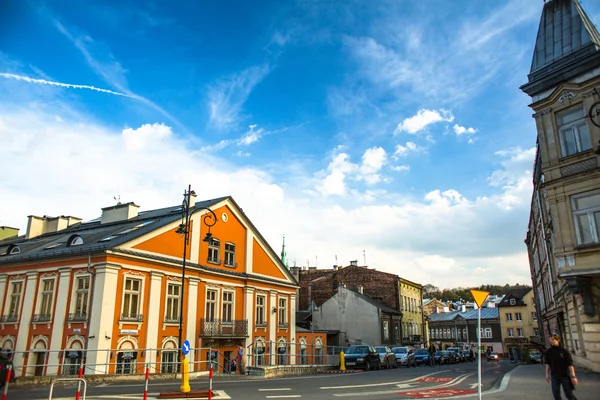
pixel 185 376
pixel 342 362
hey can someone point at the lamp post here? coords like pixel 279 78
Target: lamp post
pixel 184 231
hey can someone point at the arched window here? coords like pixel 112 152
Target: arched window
pixel 14 249
pixel 75 240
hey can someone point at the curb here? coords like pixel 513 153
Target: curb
pixel 334 371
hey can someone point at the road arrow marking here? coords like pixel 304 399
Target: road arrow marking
pixel 474 385
pixel 405 385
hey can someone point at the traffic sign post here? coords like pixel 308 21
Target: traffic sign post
pixel 185 377
pixel 479 297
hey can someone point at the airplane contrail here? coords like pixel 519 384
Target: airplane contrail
pixel 66 85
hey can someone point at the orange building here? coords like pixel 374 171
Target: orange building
pixel 107 293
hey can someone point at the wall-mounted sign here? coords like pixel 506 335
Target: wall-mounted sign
pixel 129 331
pixel 76 331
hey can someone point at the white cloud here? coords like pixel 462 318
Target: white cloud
pixel 400 168
pixel 402 151
pixel 251 136
pixel 226 98
pixel 77 167
pixel 422 119
pixel 461 130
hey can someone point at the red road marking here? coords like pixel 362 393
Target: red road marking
pixel 431 379
pixel 432 393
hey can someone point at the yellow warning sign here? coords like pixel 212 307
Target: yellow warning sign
pixel 479 296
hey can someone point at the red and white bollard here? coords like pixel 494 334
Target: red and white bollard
pixel 6 382
pixel 210 381
pixel 146 385
pixel 79 375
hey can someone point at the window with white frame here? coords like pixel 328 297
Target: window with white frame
pixel 230 254
pixel 510 332
pixel 513 302
pixel 227 315
pixel 518 316
pixel 282 314
pixel 172 308
pixel 534 316
pixel 82 295
pixel 131 299
pixel 509 316
pixel 260 311
pixel 586 216
pixel 573 131
pixel 520 332
pixel 211 305
pixel 487 331
pixel 15 301
pixel 386 330
pixel 46 297
pixel 214 248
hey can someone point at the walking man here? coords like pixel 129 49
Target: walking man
pixel 431 355
pixel 560 370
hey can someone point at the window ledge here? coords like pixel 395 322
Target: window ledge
pixel 589 246
pixel 577 156
pixel 215 262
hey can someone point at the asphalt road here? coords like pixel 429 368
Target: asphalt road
pixel 401 383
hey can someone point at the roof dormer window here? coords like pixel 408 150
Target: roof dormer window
pixel 75 240
pixel 513 302
pixel 14 249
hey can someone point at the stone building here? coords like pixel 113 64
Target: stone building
pixel 563 240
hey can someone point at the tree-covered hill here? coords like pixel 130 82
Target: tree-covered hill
pixel 430 291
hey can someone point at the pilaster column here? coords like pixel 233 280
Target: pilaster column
pixel 249 251
pixel 3 291
pixel 249 315
pixel 102 316
pixel 25 318
pixel 58 319
pixel 191 318
pixel 272 325
pixel 154 317
pixel 292 325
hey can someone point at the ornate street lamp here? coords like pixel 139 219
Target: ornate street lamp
pixel 184 231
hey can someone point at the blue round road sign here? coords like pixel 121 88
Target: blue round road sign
pixel 185 348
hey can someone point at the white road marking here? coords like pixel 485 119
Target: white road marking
pixel 382 384
pixel 273 390
pixel 284 397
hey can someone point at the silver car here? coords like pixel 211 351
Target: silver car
pixel 404 356
pixel 386 357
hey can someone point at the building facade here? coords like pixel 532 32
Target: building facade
pixel 459 329
pixel 564 237
pixel 110 293
pixel 519 323
pixel 361 319
pixel 411 306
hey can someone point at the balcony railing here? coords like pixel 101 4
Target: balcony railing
pixel 10 318
pixel 78 317
pixel 41 317
pixel 221 328
pixel 171 319
pixel 132 317
pixel 282 324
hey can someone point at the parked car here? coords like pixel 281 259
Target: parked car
pixel 361 357
pixel 438 358
pixel 404 356
pixel 457 353
pixel 421 357
pixel 387 359
pixel 493 356
pixel 466 355
pixel 535 357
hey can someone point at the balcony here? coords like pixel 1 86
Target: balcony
pixel 77 317
pixel 228 329
pixel 132 317
pixel 41 317
pixel 9 318
pixel 282 325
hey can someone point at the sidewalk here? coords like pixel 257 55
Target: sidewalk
pixel 529 382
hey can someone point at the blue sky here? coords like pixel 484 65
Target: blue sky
pixel 391 131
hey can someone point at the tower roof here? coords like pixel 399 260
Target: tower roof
pixel 567 44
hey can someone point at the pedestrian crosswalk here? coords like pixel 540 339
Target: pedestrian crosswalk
pixel 279 393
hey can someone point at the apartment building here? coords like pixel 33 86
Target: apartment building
pixel 563 240
pixel 411 306
pixel 519 323
pixel 109 292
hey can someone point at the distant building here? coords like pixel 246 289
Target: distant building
pixel 359 318
pixel 563 235
pixel 459 329
pixel 518 320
